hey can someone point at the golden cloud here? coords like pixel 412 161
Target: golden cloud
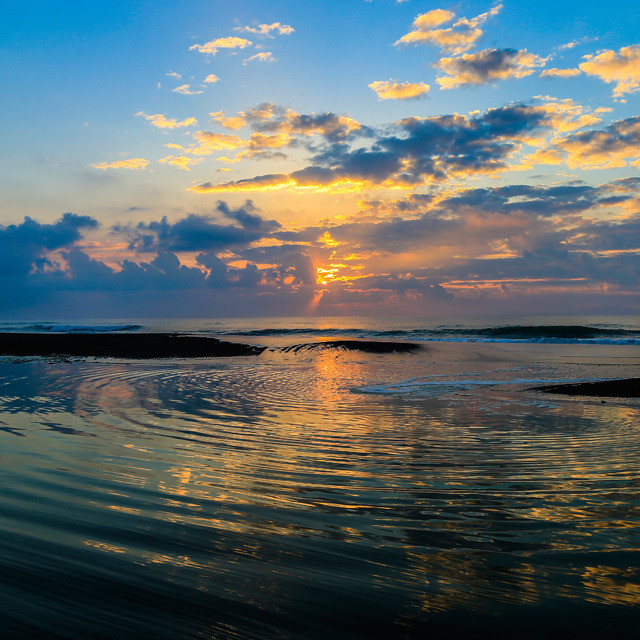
pixel 229 122
pixel 613 147
pixel 183 162
pixel 212 78
pixel 434 18
pixel 132 163
pixel 458 38
pixel 231 42
pixel 392 90
pixel 209 142
pixel 566 115
pixel 265 141
pixel 623 68
pixel 159 120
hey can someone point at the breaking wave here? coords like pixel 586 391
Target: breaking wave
pixel 561 334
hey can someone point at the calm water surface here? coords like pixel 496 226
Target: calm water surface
pixel 320 495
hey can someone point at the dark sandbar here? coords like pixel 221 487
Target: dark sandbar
pixel 623 388
pixel 121 345
pixel 163 345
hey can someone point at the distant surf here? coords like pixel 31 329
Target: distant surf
pixel 551 334
pixel 54 327
pixel 587 330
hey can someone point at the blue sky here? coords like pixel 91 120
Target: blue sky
pixel 496 144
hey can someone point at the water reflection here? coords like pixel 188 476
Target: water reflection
pixel 263 499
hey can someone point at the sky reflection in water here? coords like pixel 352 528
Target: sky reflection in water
pixel 262 498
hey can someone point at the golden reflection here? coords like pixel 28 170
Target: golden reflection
pixel 612 585
pixel 309 459
pixel 104 546
pixel 453 581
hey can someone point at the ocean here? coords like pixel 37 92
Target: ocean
pixel 320 491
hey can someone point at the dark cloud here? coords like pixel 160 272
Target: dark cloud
pixel 414 151
pixel 23 246
pixel 486 66
pixel 414 253
pixel 200 232
pixel 536 200
pixel 612 146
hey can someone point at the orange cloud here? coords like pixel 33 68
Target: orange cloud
pixel 212 78
pixel 623 68
pixel 392 90
pixel 160 121
pixel 232 122
pixel 615 146
pixel 182 162
pixel 209 142
pixel 434 18
pixel 132 163
pixel 460 37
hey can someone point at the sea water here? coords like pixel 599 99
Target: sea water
pixel 316 493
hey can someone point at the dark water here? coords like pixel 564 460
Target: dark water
pixel 287 496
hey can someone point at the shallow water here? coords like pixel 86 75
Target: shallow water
pixel 317 495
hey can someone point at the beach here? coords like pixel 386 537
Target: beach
pixel 300 491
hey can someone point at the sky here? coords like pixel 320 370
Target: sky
pixel 361 157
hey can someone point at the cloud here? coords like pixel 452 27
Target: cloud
pixel 412 152
pixel 560 73
pixel 132 163
pixel 566 115
pixel 622 67
pixel 173 74
pixel 231 42
pixel 460 37
pixel 263 56
pixel 212 78
pixel 182 162
pixel 614 146
pixel 185 90
pixel 24 246
pixel 201 232
pixel 267 29
pixel 392 90
pixel 432 19
pixel 209 142
pixel 519 244
pixel 160 121
pixel 269 118
pixel 487 66
pixel 233 122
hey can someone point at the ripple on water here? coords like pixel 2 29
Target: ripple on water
pixel 263 499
